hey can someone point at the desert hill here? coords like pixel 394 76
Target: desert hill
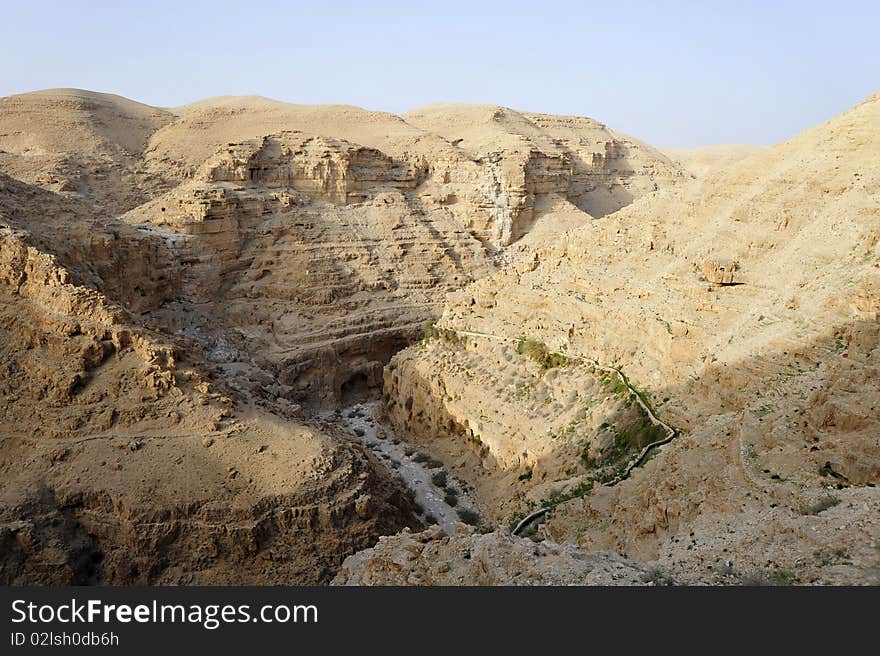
pixel 187 293
pixel 772 381
pixel 197 302
pixel 88 143
pixel 122 461
pixel 561 147
pixel 701 162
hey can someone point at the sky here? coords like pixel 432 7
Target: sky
pixel 673 73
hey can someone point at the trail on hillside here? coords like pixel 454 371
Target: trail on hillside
pixel 634 393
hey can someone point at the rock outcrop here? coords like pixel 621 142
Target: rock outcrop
pixel 124 463
pixel 772 382
pixel 181 291
pixel 470 558
pixel 329 246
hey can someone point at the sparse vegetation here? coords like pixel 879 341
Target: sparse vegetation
pixel 520 515
pixel 579 490
pixel 754 580
pixel 538 352
pixel 431 331
pixel 614 385
pixel 666 324
pixel 783 577
pixel 774 578
pixel 825 558
pixel 426 460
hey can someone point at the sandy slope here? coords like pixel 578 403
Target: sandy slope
pixel 700 162
pixel 81 142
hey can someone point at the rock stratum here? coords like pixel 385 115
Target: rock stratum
pixel 185 293
pixel 190 297
pixel 773 382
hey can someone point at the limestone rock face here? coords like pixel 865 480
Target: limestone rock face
pixel 530 432
pixel 123 463
pixel 720 272
pixel 330 251
pixel 129 266
pixel 771 382
pixel 323 168
pixel 182 290
pixel 525 157
pixel 435 558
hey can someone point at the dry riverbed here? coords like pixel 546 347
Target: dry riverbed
pixel 443 499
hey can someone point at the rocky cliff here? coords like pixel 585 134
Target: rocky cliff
pixel 124 463
pixel 328 246
pixel 771 381
pixel 184 291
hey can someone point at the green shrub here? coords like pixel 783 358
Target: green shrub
pixel 538 352
pixel 783 577
pixel 581 489
pixel 657 576
pixel 429 330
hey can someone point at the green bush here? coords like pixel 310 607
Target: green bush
pixel 429 330
pixel 538 352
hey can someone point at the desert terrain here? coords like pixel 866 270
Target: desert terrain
pixel 250 342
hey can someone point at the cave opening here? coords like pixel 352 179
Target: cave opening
pixel 356 388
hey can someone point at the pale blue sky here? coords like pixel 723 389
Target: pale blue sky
pixel 671 73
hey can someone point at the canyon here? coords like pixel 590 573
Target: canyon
pixel 250 342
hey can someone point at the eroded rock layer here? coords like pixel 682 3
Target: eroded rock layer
pixel 773 382
pixel 326 247
pixel 182 291
pixel 124 463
